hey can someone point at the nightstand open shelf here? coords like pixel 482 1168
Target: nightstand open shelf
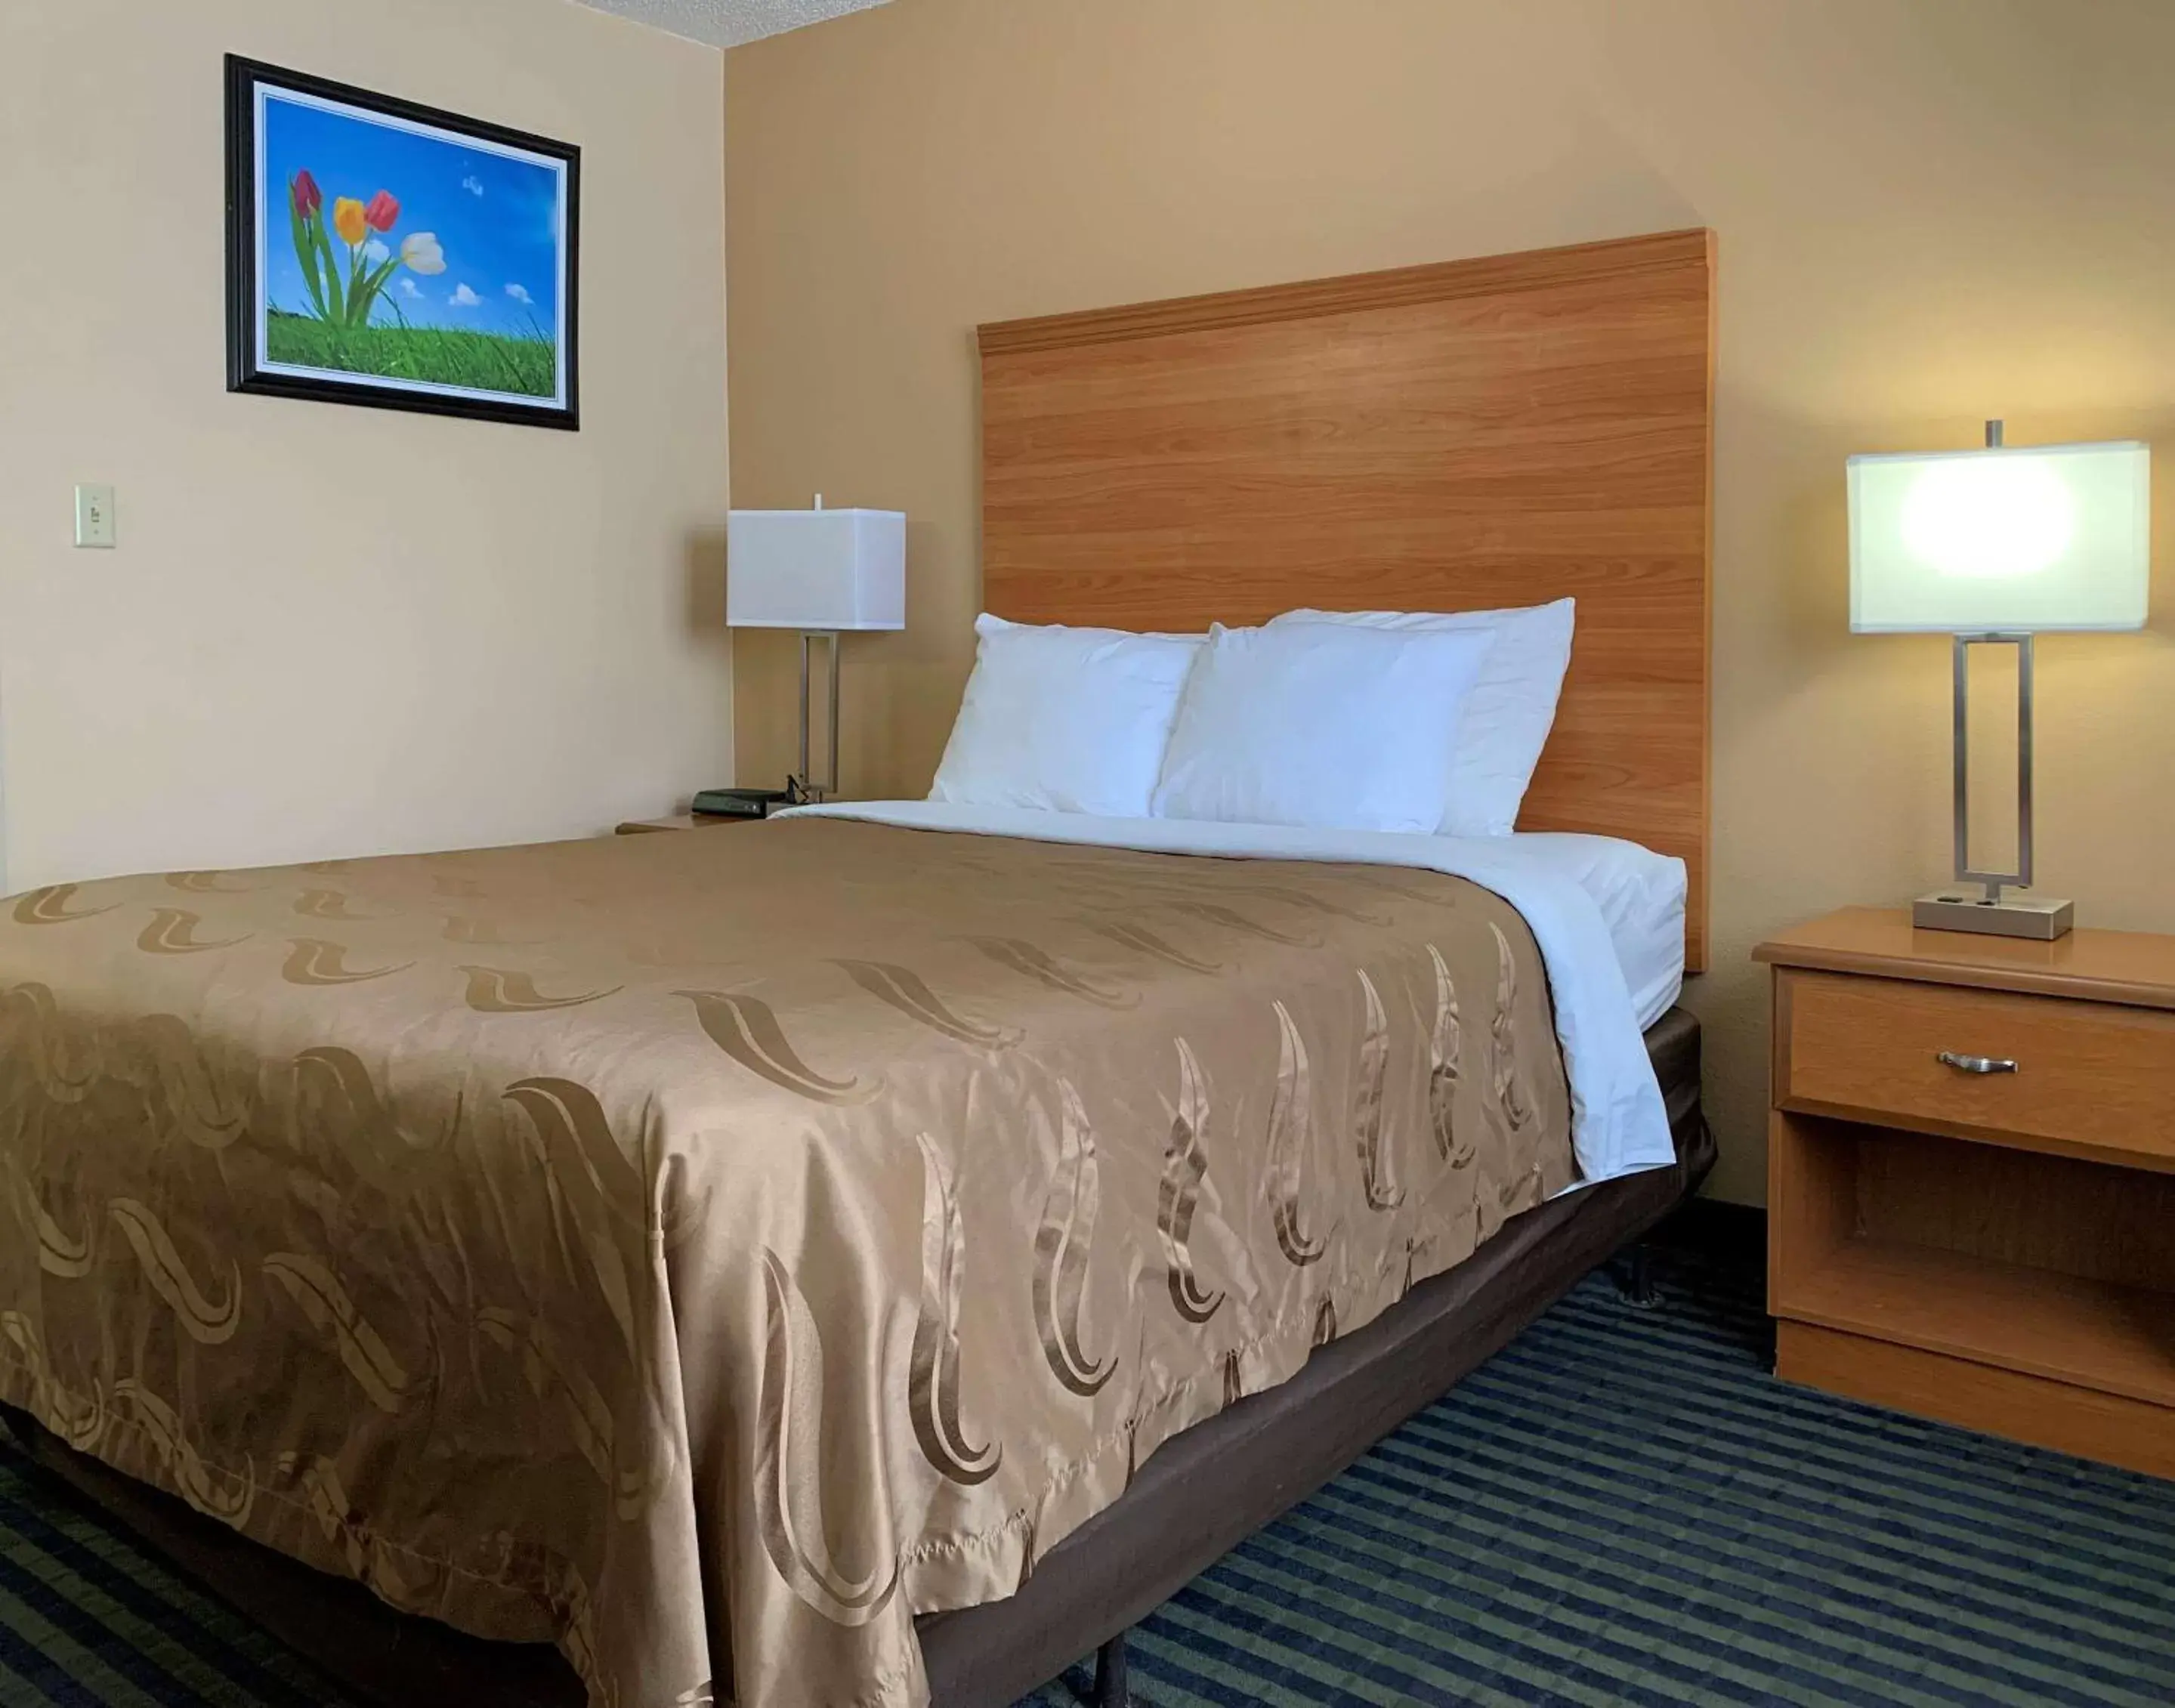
pixel 1991 1249
pixel 2097 1334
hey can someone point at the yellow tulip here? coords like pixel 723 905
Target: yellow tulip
pixel 347 219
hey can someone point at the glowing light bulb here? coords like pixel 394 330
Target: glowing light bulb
pixel 1989 518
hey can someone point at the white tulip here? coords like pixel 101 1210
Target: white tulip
pixel 419 252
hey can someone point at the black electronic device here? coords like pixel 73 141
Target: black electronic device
pixel 743 803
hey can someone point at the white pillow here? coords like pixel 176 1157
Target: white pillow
pixel 1512 707
pixel 1327 724
pixel 1065 719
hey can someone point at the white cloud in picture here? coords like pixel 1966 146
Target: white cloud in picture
pixel 472 184
pixel 375 253
pixel 462 298
pixel 519 293
pixel 410 288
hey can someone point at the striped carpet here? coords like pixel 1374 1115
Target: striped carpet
pixel 1622 1508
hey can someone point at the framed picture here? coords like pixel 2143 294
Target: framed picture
pixel 384 253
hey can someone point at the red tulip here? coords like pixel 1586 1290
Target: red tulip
pixel 382 211
pixel 308 196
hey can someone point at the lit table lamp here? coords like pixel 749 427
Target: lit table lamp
pixel 1994 547
pixel 823 573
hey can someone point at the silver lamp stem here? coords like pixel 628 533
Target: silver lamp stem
pixel 809 787
pixel 802 772
pixel 1962 653
pixel 831 726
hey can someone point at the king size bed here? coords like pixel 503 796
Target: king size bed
pixel 874 1257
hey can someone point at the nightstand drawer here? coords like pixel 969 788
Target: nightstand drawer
pixel 2089 1077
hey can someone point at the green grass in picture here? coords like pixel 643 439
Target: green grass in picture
pixel 482 361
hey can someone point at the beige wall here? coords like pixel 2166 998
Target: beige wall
pixel 1929 210
pixel 332 631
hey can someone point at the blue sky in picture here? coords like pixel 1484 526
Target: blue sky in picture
pixel 496 219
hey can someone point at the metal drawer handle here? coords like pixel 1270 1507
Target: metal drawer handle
pixel 1977 1064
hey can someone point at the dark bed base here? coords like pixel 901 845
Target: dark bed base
pixel 1196 1498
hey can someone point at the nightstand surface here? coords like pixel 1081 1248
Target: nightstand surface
pixel 1988 1249
pixel 2132 967
pixel 681 821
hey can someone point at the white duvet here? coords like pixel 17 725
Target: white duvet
pixel 1618 1125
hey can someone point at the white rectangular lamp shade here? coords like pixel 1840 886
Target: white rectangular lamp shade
pixel 816 570
pixel 2027 540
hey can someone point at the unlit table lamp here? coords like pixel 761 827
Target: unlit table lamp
pixel 823 573
pixel 1994 547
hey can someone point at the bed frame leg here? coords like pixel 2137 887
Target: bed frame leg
pixel 1110 1674
pixel 1635 1279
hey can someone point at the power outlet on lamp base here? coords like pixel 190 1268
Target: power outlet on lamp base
pixel 94 516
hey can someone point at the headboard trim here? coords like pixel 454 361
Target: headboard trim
pixel 1485 276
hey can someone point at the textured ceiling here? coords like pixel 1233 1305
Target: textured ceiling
pixel 727 23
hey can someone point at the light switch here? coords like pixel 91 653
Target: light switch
pixel 94 516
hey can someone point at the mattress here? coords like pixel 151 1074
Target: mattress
pixel 1222 1481
pixel 1206 1488
pixel 713 1251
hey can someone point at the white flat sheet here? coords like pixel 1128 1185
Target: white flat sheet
pixel 1619 1126
pixel 1641 898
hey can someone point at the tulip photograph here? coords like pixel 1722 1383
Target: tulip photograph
pixel 427 264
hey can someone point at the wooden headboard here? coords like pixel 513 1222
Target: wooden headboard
pixel 1500 432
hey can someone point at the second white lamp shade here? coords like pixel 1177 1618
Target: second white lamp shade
pixel 817 571
pixel 2027 540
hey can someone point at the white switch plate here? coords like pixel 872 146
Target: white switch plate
pixel 94 516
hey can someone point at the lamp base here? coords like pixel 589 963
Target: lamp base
pixel 2039 917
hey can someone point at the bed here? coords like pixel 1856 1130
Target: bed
pixel 821 1258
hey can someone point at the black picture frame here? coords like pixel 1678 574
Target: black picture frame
pixel 247 342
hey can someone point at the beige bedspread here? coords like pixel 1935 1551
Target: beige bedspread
pixel 709 1251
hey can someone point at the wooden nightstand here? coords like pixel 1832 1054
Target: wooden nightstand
pixel 680 821
pixel 1971 1179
